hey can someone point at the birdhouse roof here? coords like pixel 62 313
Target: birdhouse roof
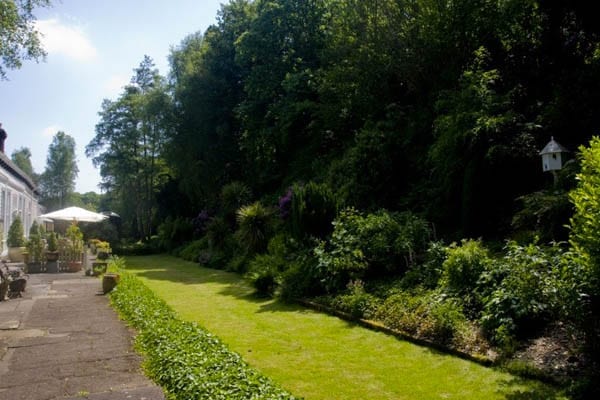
pixel 553 147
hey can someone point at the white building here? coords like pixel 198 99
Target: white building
pixel 18 196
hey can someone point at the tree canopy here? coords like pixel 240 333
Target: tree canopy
pixel 18 38
pixel 128 147
pixel 439 107
pixel 58 179
pixel 22 159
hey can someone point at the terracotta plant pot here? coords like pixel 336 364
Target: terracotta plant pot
pixel 74 266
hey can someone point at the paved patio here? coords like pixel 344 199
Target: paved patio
pixel 62 340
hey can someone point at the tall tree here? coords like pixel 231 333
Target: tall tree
pixel 58 179
pixel 18 38
pixel 22 158
pixel 128 147
pixel 281 52
pixel 207 85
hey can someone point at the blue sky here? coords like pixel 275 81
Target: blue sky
pixel 93 47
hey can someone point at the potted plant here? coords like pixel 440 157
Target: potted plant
pixel 93 245
pixel 16 240
pixel 52 253
pixel 71 251
pixel 103 250
pixel 52 249
pixel 35 248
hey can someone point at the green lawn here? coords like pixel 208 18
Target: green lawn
pixel 314 355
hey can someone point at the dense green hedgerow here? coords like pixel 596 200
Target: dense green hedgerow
pixel 188 362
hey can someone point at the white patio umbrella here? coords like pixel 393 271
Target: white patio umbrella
pixel 75 214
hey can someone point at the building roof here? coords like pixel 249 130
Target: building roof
pixel 17 172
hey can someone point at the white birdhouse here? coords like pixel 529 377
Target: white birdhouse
pixel 552 156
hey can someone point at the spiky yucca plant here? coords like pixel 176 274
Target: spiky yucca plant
pixel 255 223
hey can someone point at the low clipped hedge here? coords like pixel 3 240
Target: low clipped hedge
pixel 188 362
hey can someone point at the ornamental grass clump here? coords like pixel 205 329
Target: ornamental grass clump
pixel 187 361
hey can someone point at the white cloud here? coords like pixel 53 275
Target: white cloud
pixel 51 130
pixel 70 41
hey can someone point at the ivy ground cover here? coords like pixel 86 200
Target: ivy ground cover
pixel 316 356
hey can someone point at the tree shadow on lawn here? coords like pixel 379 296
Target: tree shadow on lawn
pixel 233 286
pixel 522 389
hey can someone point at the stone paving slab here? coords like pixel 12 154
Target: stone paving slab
pixel 62 340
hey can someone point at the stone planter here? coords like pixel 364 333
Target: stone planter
pixel 52 267
pixel 52 256
pixel 99 268
pixel 16 254
pixel 3 289
pixel 109 282
pixel 35 268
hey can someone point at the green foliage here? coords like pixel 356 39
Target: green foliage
pixel 424 314
pixel 356 302
pixel 462 269
pixel 194 250
pixel 16 235
pixel 302 278
pixel 530 286
pixel 234 195
pixel 413 236
pixel 22 159
pixel 34 229
pixel 232 261
pixel 429 272
pixel 19 39
pixel 58 179
pixel 139 248
pixel 222 246
pixel 313 209
pixel 265 270
pixel 255 225
pixel 74 238
pixel 217 232
pixel 372 244
pixel 103 250
pixel 544 212
pixel 585 224
pixel 585 239
pixel 187 361
pixel 477 131
pixel 52 242
pixel 129 146
pixel 366 175
pixel 174 231
pixel 35 248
